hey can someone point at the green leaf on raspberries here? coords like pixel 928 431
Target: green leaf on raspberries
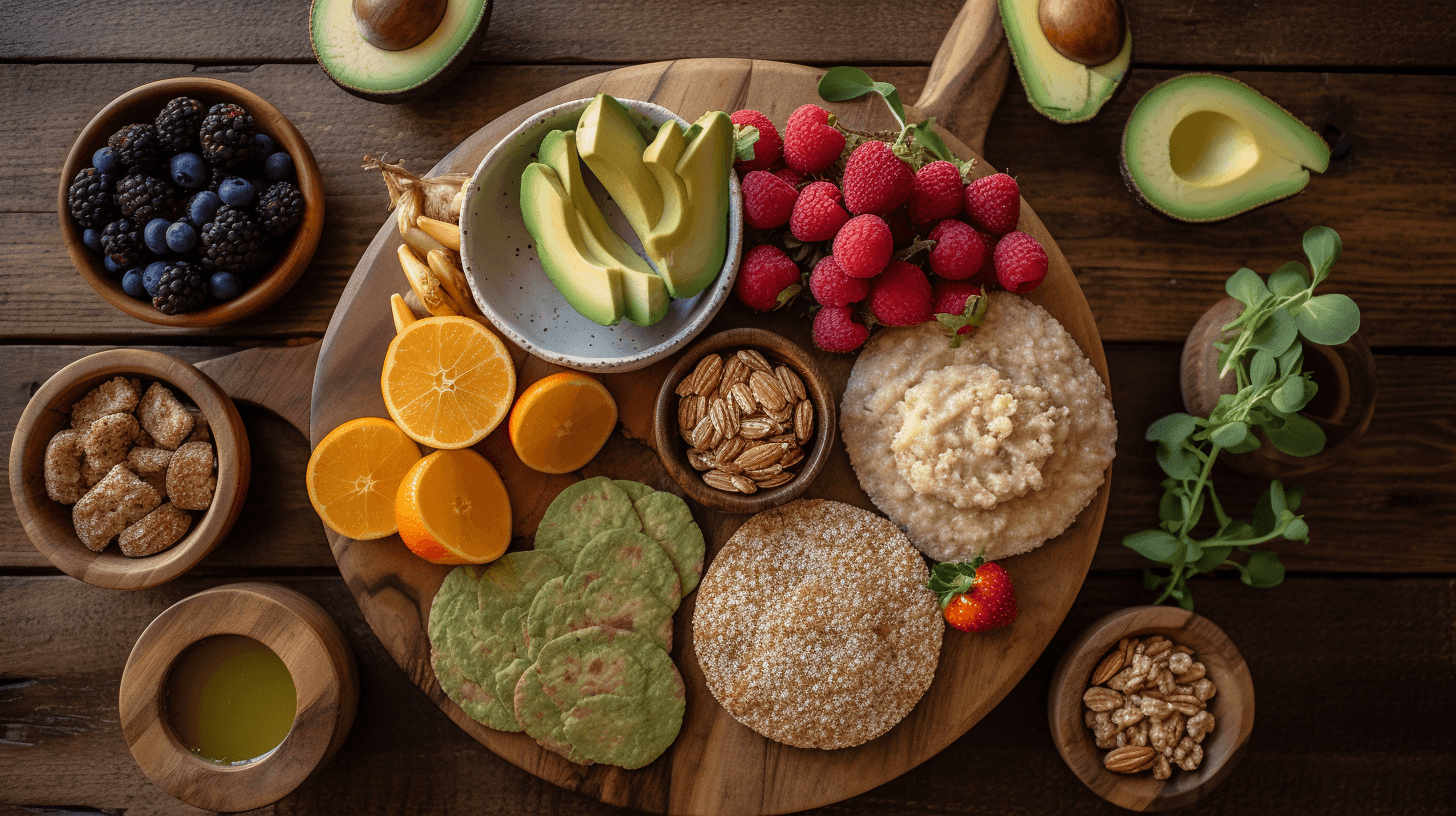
pixel 915 248
pixel 924 134
pixel 787 296
pixel 973 315
pixel 744 138
pixel 846 82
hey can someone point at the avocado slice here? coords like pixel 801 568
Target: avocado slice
pixel 1060 89
pixel 661 158
pixel 380 75
pixel 690 245
pixel 1205 147
pixel 591 287
pixel 611 145
pixel 644 296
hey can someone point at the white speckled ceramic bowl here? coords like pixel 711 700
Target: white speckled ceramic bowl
pixel 511 288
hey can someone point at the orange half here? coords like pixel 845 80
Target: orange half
pixel 354 474
pixel 452 508
pixel 447 381
pixel 561 422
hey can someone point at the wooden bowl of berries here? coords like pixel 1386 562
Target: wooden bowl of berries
pixel 128 467
pixel 1150 706
pixel 190 202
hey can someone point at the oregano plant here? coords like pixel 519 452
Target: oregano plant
pixel 1265 355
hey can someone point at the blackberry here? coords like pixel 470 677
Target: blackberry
pixel 90 199
pixel 219 175
pixel 280 208
pixel 137 146
pixel 227 135
pixel 121 241
pixel 145 197
pixel 181 288
pixel 178 123
pixel 231 242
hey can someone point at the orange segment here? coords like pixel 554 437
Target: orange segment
pixel 447 381
pixel 452 508
pixel 561 422
pixel 354 474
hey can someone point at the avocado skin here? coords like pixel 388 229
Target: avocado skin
pixel 1007 7
pixel 452 67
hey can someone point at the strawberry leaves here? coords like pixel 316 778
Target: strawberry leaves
pixel 950 579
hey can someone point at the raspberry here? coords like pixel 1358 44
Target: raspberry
pixel 831 287
pixel 936 194
pixel 900 296
pixel 767 150
pixel 835 330
pixel 994 203
pixel 793 178
pixel 767 200
pixel 864 246
pixel 949 297
pixel 876 180
pixel 1021 263
pixel 817 215
pixel 959 250
pixel 901 230
pixel 811 144
pixel 767 279
pixel 955 310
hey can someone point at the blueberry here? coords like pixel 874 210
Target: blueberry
pixel 181 237
pixel 225 285
pixel 236 192
pixel 131 282
pixel 203 207
pixel 106 161
pixel 278 167
pixel 152 276
pixel 263 146
pixel 92 239
pixel 189 171
pixel 155 235
pixel 112 266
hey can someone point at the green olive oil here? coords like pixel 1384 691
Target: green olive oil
pixel 230 699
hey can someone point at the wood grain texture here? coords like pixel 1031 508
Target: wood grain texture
pixel 968 75
pixel 1167 32
pixel 66 644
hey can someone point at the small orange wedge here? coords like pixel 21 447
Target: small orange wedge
pixel 561 422
pixel 447 381
pixel 354 474
pixel 452 508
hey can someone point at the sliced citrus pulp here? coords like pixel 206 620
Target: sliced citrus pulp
pixel 447 381
pixel 354 474
pixel 561 422
pixel 452 508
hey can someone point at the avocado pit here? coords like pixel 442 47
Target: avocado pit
pixel 1089 32
pixel 395 25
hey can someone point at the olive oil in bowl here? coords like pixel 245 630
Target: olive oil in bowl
pixel 230 699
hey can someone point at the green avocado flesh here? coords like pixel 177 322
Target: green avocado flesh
pixel 1060 89
pixel 691 241
pixel 1205 147
pixel 611 146
pixel 592 287
pixel 394 76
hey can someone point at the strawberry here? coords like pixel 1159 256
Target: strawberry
pixel 767 200
pixel 974 596
pixel 900 296
pixel 959 250
pixel 817 215
pixel 836 331
pixel 994 203
pixel 811 142
pixel 936 194
pixel 767 150
pixel 863 246
pixel 767 279
pixel 958 307
pixel 793 178
pixel 876 180
pixel 1021 263
pixel 831 287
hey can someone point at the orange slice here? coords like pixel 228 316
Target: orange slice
pixel 561 422
pixel 452 508
pixel 354 474
pixel 447 381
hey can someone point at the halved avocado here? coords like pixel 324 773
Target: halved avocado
pixel 1060 89
pixel 611 145
pixel 591 287
pixel 644 296
pixel 689 245
pixel 379 75
pixel 1205 147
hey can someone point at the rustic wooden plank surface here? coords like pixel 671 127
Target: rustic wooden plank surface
pixel 1333 735
pixel 1393 198
pixel 1165 32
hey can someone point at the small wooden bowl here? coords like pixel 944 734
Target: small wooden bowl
pixel 141 105
pixel 672 449
pixel 48 523
pixel 1232 707
pixel 310 644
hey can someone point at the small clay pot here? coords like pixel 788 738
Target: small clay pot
pixel 1342 408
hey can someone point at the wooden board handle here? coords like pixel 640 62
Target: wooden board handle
pixel 968 74
pixel 279 378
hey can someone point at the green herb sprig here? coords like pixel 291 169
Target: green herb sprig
pixel 1266 358
pixel 916 143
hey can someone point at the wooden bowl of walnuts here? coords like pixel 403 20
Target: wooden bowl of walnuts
pixel 1150 706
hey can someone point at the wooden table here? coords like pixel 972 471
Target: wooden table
pixel 1353 657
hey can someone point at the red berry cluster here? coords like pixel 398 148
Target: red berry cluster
pixel 880 204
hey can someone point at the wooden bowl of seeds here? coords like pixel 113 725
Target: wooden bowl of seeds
pixel 744 421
